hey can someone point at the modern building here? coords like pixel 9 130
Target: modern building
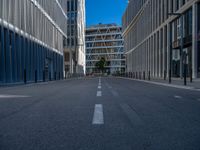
pixel 31 40
pixel 74 52
pixel 162 37
pixel 105 41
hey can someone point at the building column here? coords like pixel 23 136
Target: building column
pixel 71 61
pixel 194 40
pixel 153 56
pixel 163 51
pixel 156 54
pixel 168 48
pixel 2 56
pixel 147 57
pixel 160 54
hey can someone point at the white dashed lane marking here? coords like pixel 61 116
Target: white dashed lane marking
pixel 99 93
pixel 14 96
pixel 177 97
pixel 98 115
pixel 99 87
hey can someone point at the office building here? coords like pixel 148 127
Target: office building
pixel 105 41
pixel 31 40
pixel 162 37
pixel 74 52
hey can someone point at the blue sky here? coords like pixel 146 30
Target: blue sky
pixel 104 11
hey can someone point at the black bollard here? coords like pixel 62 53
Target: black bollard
pixel 149 75
pixel 35 76
pixel 191 80
pixel 55 76
pixel 49 76
pixel 165 75
pixel 43 76
pixel 25 80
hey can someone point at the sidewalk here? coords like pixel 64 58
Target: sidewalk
pixel 176 83
pixel 195 83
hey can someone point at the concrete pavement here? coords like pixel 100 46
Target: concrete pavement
pixel 99 114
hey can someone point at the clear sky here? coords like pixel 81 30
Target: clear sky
pixel 104 11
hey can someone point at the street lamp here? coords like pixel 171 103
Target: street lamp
pixel 183 55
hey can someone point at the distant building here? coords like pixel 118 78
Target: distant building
pixel 31 40
pixel 105 41
pixel 153 37
pixel 74 52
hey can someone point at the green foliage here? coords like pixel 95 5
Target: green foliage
pixel 101 64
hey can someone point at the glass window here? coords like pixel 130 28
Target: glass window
pixel 72 5
pixel 188 23
pixel 198 18
pixel 72 40
pixel 1 8
pixel 76 5
pixel 68 5
pixel 198 39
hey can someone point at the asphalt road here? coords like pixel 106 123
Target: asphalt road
pixel 99 114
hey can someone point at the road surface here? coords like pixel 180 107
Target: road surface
pixel 99 114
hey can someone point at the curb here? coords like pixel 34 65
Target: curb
pixel 164 84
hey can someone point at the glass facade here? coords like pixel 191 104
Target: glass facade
pixel 75 48
pixel 198 37
pixel 151 35
pixel 23 59
pixel 31 40
pixel 187 43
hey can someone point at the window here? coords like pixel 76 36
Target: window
pixel 67 57
pixel 68 41
pixel 72 40
pixel 177 5
pixel 72 5
pixel 76 5
pixel 0 36
pixel 188 22
pixel 68 5
pixel 198 39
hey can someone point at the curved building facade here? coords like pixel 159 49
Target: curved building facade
pixel 32 35
pixel 162 37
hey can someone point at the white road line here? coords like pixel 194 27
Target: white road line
pixel 99 87
pixel 98 115
pixel 14 96
pixel 178 97
pixel 99 93
pixel 99 80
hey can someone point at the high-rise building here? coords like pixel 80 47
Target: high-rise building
pixel 31 40
pixel 74 52
pixel 105 41
pixel 162 37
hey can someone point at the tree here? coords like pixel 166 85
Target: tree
pixel 101 64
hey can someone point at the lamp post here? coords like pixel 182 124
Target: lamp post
pixel 182 53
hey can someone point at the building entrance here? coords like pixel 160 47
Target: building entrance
pixel 176 62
